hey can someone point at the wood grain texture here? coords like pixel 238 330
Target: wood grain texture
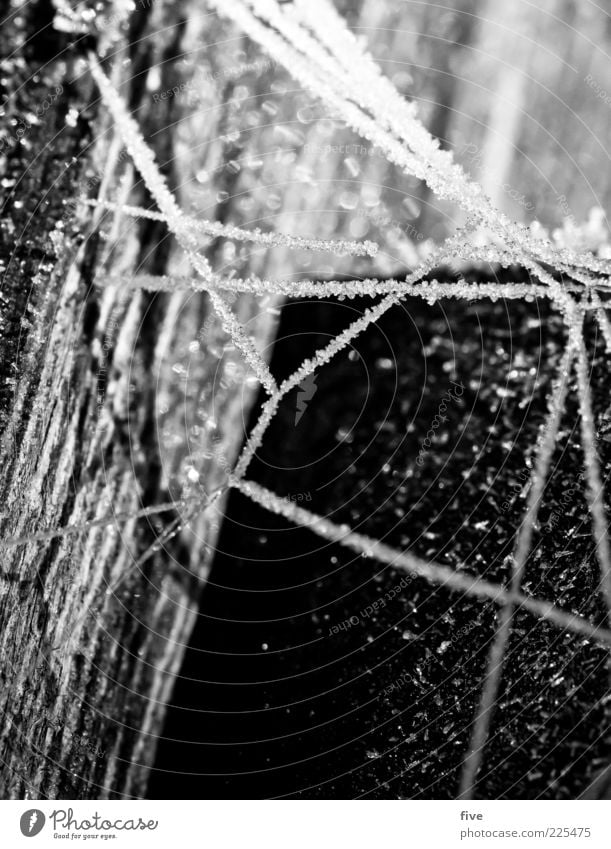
pixel 91 637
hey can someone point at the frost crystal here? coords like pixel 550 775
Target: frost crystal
pixel 312 41
pixel 229 231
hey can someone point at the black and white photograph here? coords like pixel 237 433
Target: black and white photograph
pixel 305 421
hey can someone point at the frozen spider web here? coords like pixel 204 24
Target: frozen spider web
pixel 313 43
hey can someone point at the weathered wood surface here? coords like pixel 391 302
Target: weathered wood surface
pixel 93 397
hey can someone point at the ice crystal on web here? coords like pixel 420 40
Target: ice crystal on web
pixel 312 41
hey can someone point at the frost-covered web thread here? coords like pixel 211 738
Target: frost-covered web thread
pixel 311 40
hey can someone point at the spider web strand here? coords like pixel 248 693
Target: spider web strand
pixel 432 572
pixel 496 658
